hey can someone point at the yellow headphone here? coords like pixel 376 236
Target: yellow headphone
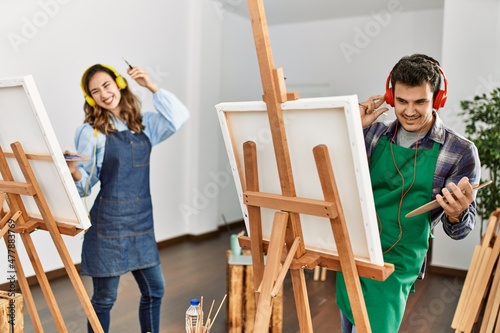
pixel 120 82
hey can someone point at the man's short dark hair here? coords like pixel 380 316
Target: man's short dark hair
pixel 415 70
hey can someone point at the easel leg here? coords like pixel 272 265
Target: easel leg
pixel 254 214
pixel 80 291
pixel 72 273
pixel 301 300
pixel 341 235
pixel 274 94
pixel 19 271
pixel 271 270
pixel 298 276
pixel 43 282
pixel 277 313
pixel 16 204
pixel 491 311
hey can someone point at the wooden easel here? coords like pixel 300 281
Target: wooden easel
pixel 11 191
pixel 286 235
pixel 481 288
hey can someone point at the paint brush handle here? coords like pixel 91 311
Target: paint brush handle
pixel 220 306
pixel 434 204
pixel 129 65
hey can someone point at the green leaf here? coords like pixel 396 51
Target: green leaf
pixel 482 126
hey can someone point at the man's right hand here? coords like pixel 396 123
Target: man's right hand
pixel 370 110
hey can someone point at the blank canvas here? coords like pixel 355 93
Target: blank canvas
pixel 23 119
pixel 332 121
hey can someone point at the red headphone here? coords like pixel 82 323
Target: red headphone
pixel 439 100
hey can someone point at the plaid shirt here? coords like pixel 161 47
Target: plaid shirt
pixel 458 157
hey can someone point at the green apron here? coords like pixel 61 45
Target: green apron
pixel 404 242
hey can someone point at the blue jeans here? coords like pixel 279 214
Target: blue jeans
pixel 152 287
pixel 347 326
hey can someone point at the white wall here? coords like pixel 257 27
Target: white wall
pixel 176 41
pixel 344 56
pixel 470 57
pixel 207 194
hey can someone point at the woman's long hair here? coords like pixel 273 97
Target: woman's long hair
pixel 130 106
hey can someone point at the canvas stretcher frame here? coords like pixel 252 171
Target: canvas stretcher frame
pixel 23 119
pixel 333 121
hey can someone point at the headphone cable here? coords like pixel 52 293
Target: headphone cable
pixel 404 193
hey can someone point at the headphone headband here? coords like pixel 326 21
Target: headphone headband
pixel 120 82
pixel 439 99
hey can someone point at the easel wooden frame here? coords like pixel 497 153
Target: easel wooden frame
pixel 481 286
pixel 11 191
pixel 22 105
pixel 286 235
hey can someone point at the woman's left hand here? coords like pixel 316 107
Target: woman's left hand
pixel 73 168
pixel 142 78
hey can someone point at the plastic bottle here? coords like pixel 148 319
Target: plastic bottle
pixel 193 315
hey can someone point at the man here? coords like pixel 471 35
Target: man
pixel 412 160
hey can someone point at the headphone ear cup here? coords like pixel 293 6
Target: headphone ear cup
pixel 389 97
pixel 442 94
pixel 440 100
pixel 90 101
pixel 120 82
pixel 389 94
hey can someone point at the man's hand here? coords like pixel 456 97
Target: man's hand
pixel 455 199
pixel 369 110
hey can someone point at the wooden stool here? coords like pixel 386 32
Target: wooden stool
pixel 241 297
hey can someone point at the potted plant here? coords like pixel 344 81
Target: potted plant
pixel 482 120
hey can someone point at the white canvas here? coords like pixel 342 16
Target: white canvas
pixel 332 121
pixel 24 119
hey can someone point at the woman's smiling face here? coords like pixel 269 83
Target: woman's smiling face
pixel 105 92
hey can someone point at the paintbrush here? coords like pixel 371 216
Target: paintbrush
pixel 434 204
pixel 129 65
pixel 220 306
pixel 209 312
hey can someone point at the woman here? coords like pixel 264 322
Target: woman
pixel 119 140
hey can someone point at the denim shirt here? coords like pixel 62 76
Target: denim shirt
pixel 169 117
